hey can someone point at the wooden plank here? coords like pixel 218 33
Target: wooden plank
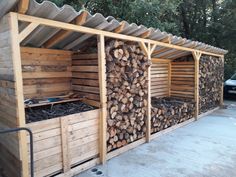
pixel 31 75
pixel 85 68
pixel 103 98
pixel 85 75
pixel 23 6
pixel 86 89
pixel 16 57
pixel 90 56
pixel 87 82
pixel 45 51
pixel 84 116
pixel 25 32
pixel 64 144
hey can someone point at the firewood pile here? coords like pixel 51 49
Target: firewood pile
pixel 210 82
pixel 52 111
pixel 127 88
pixel 169 111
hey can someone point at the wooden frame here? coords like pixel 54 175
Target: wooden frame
pixel 147 45
pixel 82 29
pixel 196 56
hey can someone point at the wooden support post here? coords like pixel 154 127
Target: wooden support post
pixel 196 56
pixel 148 52
pixel 103 97
pixel 16 57
pixel 169 78
pixel 23 6
pixel 148 132
pixel 64 144
pixel 222 87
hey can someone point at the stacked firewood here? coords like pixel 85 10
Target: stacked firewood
pixel 169 111
pixel 210 82
pixel 127 88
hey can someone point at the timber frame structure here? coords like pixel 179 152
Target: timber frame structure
pixel 147 45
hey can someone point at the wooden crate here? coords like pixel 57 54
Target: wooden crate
pixel 64 142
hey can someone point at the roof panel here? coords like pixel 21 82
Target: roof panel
pixel 49 10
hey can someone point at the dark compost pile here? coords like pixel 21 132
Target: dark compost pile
pixel 35 114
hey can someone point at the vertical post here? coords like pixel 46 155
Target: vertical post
pixel 148 131
pixel 64 144
pixel 16 57
pixel 103 97
pixel 196 56
pixel 169 78
pixel 222 87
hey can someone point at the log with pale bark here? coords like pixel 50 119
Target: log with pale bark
pixel 170 111
pixel 211 74
pixel 127 89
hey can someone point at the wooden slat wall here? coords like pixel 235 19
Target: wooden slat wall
pixel 182 79
pixel 78 144
pixel 45 72
pixel 159 79
pixel 9 144
pixel 85 75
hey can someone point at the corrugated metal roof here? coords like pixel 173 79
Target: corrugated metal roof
pixel 74 41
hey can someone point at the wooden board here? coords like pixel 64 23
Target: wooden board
pixel 182 79
pixel 61 143
pixel 46 72
pixel 85 75
pixel 160 78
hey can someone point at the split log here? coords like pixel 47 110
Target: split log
pixel 169 111
pixel 211 72
pixel 127 88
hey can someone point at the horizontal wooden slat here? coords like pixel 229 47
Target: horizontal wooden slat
pixel 86 89
pixel 85 68
pixel 85 56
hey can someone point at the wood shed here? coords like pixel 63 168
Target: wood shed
pixel 91 88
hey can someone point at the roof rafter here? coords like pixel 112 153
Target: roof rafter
pixel 79 20
pixel 23 6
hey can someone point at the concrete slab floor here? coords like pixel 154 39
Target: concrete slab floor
pixel 206 148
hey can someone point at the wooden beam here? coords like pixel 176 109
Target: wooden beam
pixel 169 79
pixel 144 48
pixel 23 6
pixel 29 29
pixel 120 28
pixel 149 106
pixel 166 40
pixel 146 34
pixel 157 60
pixel 153 47
pixel 167 49
pixel 103 98
pixel 80 20
pixel 196 56
pixel 16 57
pixel 82 29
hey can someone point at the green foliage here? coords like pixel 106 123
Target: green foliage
pixel 209 21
